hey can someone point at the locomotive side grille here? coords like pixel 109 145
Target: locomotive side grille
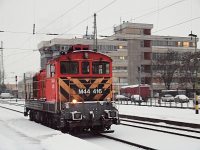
pixel 85 89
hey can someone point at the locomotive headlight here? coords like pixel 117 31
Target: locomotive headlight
pixel 74 101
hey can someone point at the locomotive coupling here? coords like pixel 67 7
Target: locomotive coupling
pixel 76 115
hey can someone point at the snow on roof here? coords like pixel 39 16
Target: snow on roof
pixel 135 85
pixel 120 96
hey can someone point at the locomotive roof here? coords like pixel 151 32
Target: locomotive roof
pixel 77 51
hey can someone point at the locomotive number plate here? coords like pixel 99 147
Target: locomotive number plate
pixel 90 91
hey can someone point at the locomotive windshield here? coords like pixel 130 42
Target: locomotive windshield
pixel 100 67
pixel 69 67
pixel 85 67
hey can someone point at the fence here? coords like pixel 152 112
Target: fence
pixel 156 102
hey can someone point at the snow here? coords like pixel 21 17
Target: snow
pixel 181 96
pixel 157 140
pixel 120 96
pixel 135 85
pixel 183 115
pixel 18 133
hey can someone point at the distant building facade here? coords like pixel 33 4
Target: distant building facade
pixel 144 49
pixel 132 47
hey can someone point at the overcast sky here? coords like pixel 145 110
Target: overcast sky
pixel 70 17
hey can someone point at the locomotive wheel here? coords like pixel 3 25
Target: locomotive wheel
pixel 97 128
pixel 31 115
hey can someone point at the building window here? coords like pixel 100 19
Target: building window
pixel 147 80
pixel 147 43
pixel 123 80
pixel 119 68
pixel 147 55
pixel 185 44
pixel 122 57
pixel 146 68
pixel 147 32
pixel 120 47
pixel 192 44
pixel 179 44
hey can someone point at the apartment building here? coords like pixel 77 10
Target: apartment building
pixel 144 48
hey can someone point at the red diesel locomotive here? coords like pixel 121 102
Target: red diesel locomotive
pixel 74 92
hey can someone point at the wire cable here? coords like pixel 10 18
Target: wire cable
pixel 176 24
pixel 62 15
pixel 87 18
pixel 158 10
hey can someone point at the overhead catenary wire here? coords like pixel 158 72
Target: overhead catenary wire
pixel 37 33
pixel 151 12
pixel 98 11
pixel 186 21
pixel 87 18
pixel 62 15
pixel 158 10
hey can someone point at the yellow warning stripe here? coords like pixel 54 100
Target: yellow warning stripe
pixel 78 83
pixel 96 83
pixel 97 96
pixel 107 84
pixel 69 90
pixel 62 98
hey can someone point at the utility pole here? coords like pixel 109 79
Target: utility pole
pixel 16 88
pixel 195 82
pixel 2 66
pixel 139 71
pixel 95 34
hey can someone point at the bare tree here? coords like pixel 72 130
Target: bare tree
pixel 189 67
pixel 165 65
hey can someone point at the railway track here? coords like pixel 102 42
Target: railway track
pixel 15 104
pixel 102 135
pixel 163 131
pixel 128 142
pixel 142 125
pixel 155 120
pixel 12 109
pixel 162 126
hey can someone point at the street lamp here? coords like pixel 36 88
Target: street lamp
pixel 16 88
pixel 195 88
pixel 139 71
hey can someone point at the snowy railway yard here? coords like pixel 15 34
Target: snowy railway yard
pixel 18 133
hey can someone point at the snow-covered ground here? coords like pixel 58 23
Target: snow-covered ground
pixel 18 133
pixel 176 114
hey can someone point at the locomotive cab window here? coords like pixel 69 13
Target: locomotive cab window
pixel 100 67
pixel 85 67
pixel 69 67
pixel 50 70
